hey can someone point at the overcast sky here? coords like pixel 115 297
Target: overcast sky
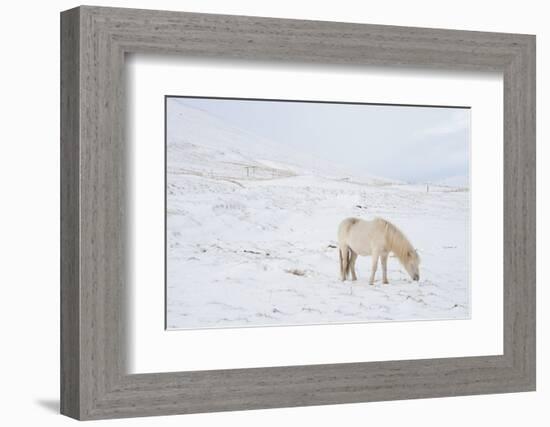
pixel 413 144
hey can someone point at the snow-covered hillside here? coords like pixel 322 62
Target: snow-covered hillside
pixel 251 235
pixel 459 181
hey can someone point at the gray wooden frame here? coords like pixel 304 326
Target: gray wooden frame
pixel 94 382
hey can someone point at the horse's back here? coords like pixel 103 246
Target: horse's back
pixel 344 229
pixel 361 235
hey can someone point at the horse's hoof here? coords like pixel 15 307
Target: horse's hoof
pixel 385 282
pixel 371 283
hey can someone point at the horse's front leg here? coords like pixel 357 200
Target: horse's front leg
pixel 373 268
pixel 384 262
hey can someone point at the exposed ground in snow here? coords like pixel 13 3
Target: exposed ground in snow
pixel 251 235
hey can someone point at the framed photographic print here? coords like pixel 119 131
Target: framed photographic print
pixel 337 212
pixel 259 199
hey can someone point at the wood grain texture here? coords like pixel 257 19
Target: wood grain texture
pixel 70 292
pixel 95 275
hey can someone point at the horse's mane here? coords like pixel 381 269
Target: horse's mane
pixel 398 242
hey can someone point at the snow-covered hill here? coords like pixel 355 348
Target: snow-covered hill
pixel 251 235
pixel 459 181
pixel 197 141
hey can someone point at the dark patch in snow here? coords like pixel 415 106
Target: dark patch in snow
pixel 296 272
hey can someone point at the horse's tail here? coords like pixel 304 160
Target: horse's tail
pixel 345 264
pixel 348 266
pixel 342 276
pixel 344 249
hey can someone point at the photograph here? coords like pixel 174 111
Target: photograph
pixel 294 212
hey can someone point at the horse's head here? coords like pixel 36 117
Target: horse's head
pixel 411 264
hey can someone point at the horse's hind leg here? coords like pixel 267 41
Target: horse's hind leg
pixel 352 260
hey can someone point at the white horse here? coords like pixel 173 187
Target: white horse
pixel 376 238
